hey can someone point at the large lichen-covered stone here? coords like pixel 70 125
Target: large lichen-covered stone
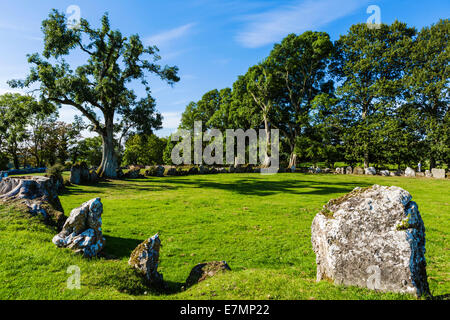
pixel 82 231
pixel 38 194
pixel 372 237
pixel 145 259
pixel 203 271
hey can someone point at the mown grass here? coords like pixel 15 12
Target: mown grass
pixel 259 224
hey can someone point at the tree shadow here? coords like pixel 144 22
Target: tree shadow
pixel 106 187
pixel 261 187
pixel 120 247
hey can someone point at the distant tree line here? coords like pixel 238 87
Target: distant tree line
pixel 31 135
pixel 374 96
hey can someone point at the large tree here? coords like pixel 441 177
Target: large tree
pixel 369 64
pixel 298 65
pixel 101 85
pixel 427 84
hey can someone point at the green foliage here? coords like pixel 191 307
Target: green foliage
pixel 167 155
pixel 89 150
pixel 427 88
pixel 370 64
pixel 56 171
pixel 144 150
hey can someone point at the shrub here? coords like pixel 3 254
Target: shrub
pixel 55 171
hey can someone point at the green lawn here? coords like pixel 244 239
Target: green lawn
pixel 259 224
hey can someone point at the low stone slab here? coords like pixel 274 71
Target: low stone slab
pixel 203 271
pixel 38 194
pixel 374 238
pixel 370 171
pixel 438 173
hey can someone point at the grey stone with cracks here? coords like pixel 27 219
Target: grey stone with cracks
pixel 373 238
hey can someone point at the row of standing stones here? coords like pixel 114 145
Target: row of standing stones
pixel 80 174
pixel 371 237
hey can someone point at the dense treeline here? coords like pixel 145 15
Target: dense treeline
pixel 374 96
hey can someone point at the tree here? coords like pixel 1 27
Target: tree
pixel 90 151
pixel 259 88
pixel 101 84
pixel 144 150
pixel 369 65
pixel 40 138
pixel 427 87
pixel 15 112
pixel 298 65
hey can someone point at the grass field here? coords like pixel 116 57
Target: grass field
pixel 259 224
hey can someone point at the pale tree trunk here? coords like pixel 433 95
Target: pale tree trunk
pixel 366 159
pixel 266 162
pixel 108 167
pixel 292 159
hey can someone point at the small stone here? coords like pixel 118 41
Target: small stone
pixel 385 173
pixel 203 271
pixel 145 259
pixel 370 171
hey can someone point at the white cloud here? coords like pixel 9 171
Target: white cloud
pixel 171 120
pixel 271 26
pixel 165 37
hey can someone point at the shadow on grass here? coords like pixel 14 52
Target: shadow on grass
pixel 105 187
pixel 262 187
pixel 120 247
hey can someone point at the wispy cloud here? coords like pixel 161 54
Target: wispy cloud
pixel 171 120
pixel 165 37
pixel 20 30
pixel 271 26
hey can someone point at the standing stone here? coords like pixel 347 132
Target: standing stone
pixel 409 172
pixel 372 237
pixel 358 170
pixel 203 271
pixel 348 170
pixel 428 174
pixel 82 231
pixel 385 173
pixel 438 173
pixel 193 170
pixel 145 259
pixel 160 171
pixel 370 171
pixel 75 174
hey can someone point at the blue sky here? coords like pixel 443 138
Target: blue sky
pixel 211 41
